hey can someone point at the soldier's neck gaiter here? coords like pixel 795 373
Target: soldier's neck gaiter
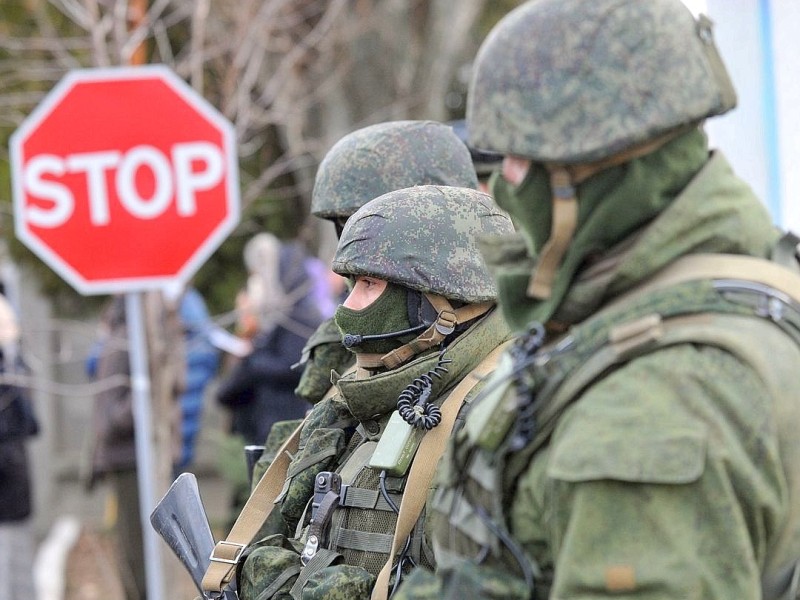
pixel 387 314
pixel 611 206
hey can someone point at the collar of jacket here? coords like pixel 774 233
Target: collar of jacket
pixel 377 395
pixel 717 212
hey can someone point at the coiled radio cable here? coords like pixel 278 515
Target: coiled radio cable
pixel 413 405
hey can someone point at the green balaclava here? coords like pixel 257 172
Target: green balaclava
pixel 612 205
pixel 387 314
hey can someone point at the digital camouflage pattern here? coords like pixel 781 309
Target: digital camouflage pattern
pixel 264 563
pixel 674 443
pixel 381 158
pixel 573 81
pixel 340 582
pixel 361 166
pixel 322 354
pixel 330 441
pixel 424 238
pixel 341 431
pixel 322 441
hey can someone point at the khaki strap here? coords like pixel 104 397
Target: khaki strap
pixel 445 324
pixel 564 222
pixel 724 266
pixel 580 172
pixel 648 329
pixel 421 474
pixel 564 178
pixel 369 360
pixel 226 553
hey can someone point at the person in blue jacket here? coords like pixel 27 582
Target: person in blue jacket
pixel 202 363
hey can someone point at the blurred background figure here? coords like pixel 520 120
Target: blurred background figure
pixel 17 424
pixel 278 310
pixel 202 363
pixel 328 289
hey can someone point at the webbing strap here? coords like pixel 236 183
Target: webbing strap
pixel 421 474
pixel 363 541
pixel 693 267
pixel 281 579
pixel 723 266
pixel 227 552
pixel 562 228
pixel 445 324
pixel 564 178
pixel 355 497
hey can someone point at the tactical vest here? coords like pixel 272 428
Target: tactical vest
pixel 360 521
pixel 701 300
pixel 356 527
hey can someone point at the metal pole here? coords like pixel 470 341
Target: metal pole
pixel 142 419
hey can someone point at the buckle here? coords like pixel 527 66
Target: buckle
pixel 446 322
pixel 228 561
pixel 310 549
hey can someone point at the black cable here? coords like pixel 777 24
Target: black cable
pixel 401 561
pixel 412 403
pixel 385 494
pixel 530 570
pixel 404 554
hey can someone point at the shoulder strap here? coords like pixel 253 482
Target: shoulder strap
pixel 626 339
pixel 723 266
pixel 422 471
pixel 227 552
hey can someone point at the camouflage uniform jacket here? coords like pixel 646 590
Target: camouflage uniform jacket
pixel 322 354
pixel 340 435
pixel 672 473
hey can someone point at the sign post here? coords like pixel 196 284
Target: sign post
pixel 126 180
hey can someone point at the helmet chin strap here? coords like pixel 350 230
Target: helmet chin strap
pixel 446 321
pixel 563 181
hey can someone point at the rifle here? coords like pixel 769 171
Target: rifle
pixel 180 518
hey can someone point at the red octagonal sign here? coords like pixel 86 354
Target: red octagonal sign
pixel 124 179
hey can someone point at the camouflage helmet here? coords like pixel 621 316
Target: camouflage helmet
pixel 571 81
pixel 485 163
pixel 385 157
pixel 424 238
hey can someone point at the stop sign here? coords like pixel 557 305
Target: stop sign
pixel 124 179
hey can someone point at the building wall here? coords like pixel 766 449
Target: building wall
pixel 759 43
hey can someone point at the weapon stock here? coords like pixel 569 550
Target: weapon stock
pixel 251 456
pixel 180 519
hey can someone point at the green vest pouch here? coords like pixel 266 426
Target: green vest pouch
pixel 320 452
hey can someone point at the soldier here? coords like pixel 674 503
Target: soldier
pixel 361 166
pixel 422 324
pixel 640 437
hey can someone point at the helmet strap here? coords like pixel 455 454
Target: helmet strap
pixel 562 228
pixel 564 180
pixel 446 321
